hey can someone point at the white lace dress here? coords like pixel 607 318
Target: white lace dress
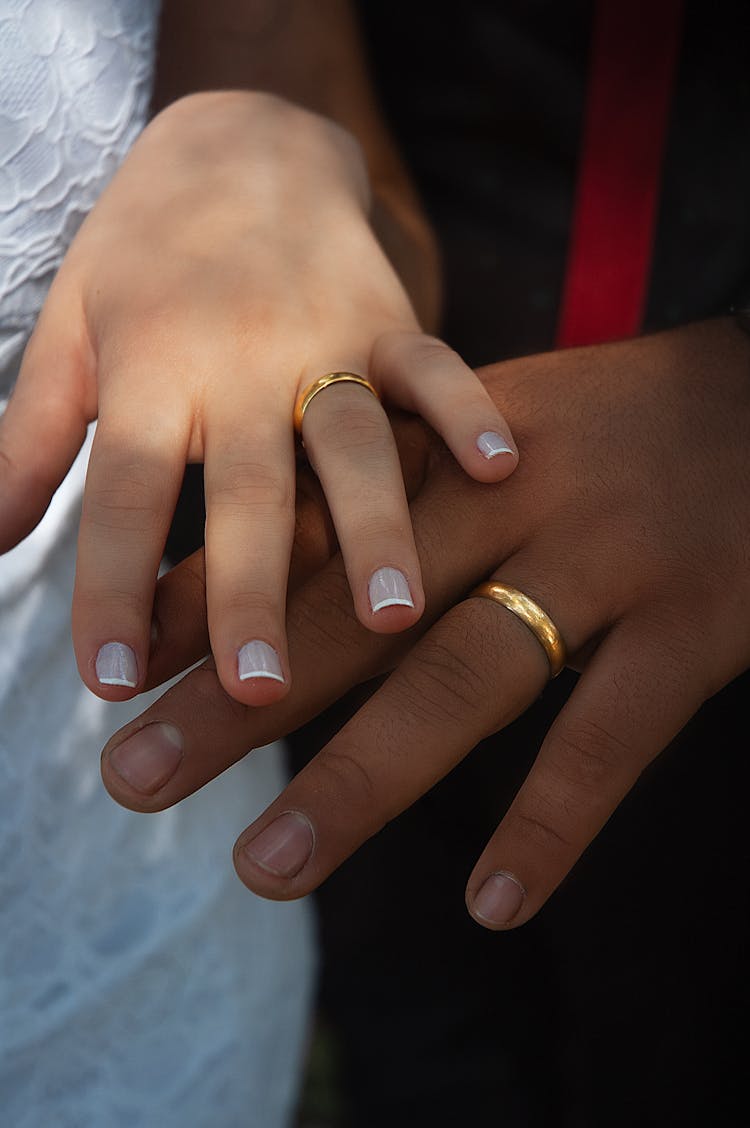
pixel 140 983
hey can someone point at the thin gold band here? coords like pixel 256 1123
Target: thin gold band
pixel 305 398
pixel 530 613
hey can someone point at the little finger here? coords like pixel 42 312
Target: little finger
pixel 634 696
pixel 424 375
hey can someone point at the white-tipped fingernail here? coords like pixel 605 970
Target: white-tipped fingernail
pixel 257 659
pixel 388 588
pixel 490 444
pixel 116 665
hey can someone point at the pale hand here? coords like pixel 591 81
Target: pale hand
pixel 230 263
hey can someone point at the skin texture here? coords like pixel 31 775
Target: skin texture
pixel 312 55
pixel 627 520
pixel 247 267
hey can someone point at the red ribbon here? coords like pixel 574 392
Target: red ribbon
pixel 634 51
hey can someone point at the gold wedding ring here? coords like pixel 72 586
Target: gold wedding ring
pixel 305 398
pixel 530 613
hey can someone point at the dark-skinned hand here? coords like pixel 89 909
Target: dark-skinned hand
pixel 627 520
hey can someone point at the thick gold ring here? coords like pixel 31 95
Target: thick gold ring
pixel 305 398
pixel 530 613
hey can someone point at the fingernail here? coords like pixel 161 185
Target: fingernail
pixel 116 665
pixel 499 899
pixel 490 444
pixel 388 588
pixel 148 758
pixel 257 659
pixel 284 846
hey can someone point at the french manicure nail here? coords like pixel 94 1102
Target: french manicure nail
pixel 490 444
pixel 389 588
pixel 284 846
pixel 116 665
pixel 148 758
pixel 499 899
pixel 256 659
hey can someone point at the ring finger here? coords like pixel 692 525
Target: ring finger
pixel 350 443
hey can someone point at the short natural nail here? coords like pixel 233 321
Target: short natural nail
pixel 116 665
pixel 148 758
pixel 389 588
pixel 256 659
pixel 499 899
pixel 284 846
pixel 490 444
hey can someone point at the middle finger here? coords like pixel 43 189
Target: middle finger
pixel 249 487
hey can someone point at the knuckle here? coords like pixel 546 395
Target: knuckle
pixel 259 604
pixel 254 486
pixel 586 755
pixel 117 601
pixel 399 347
pixel 447 686
pixel 350 427
pixel 431 350
pixel 124 501
pixel 349 779
pixel 377 533
pixel 389 347
pixel 538 826
pixel 422 705
pixel 572 791
pixel 451 684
